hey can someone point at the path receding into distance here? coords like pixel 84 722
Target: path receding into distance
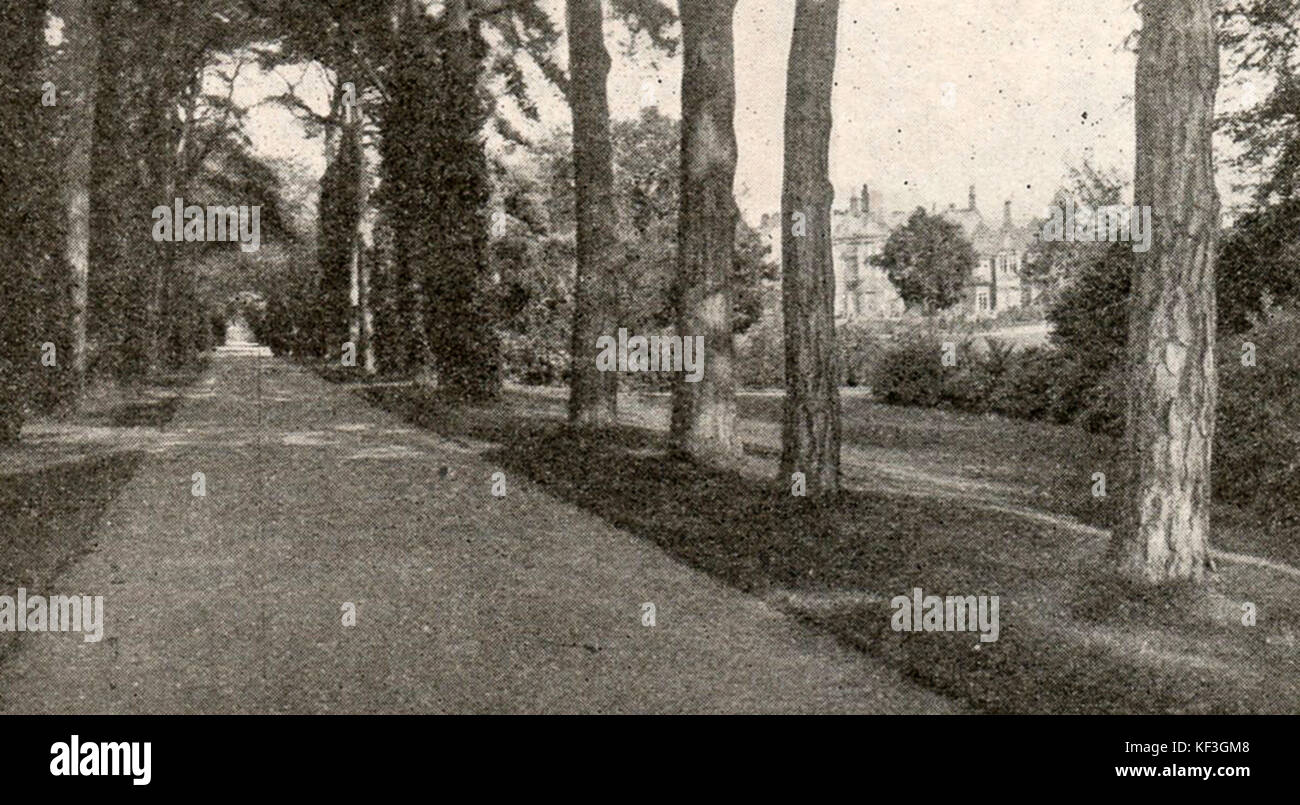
pixel 465 602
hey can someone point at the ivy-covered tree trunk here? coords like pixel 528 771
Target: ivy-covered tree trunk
pixel 133 135
pixel 407 215
pixel 458 320
pixel 704 412
pixel 339 215
pixel 593 395
pixel 1164 532
pixel 435 194
pixel 810 435
pixel 163 266
pixel 169 71
pixel 21 22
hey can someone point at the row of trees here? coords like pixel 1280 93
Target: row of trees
pixel 1171 383
pixel 416 82
pixel 409 88
pixel 703 423
pixel 117 113
pixel 100 125
pixel 418 91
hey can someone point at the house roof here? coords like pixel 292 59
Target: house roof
pixel 846 225
pixel 1008 237
pixel 969 220
pixel 987 240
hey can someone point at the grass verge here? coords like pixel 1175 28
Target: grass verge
pixel 838 565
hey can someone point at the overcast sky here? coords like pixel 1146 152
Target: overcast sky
pixel 931 96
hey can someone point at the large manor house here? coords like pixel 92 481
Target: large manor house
pixel 863 291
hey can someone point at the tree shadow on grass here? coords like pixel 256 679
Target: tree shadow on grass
pixel 48 515
pixel 48 519
pixel 144 414
pixel 838 565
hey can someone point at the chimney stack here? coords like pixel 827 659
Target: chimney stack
pixel 972 198
pixel 1006 213
pixel 854 207
pixel 866 201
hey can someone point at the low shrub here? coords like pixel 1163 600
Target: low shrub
pixel 1026 388
pixel 972 384
pixel 760 355
pixel 1257 436
pixel 911 372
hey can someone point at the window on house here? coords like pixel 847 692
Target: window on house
pixel 982 301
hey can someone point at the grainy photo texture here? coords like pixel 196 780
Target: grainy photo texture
pixel 647 356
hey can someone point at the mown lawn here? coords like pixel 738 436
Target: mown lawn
pixel 1072 640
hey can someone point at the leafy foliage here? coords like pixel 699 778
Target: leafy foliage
pixel 1257 438
pixel 534 253
pixel 1056 263
pixel 27 229
pixel 1258 261
pixel 1260 39
pixel 929 261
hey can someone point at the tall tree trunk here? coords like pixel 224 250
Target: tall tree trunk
pixel 77 77
pixel 368 357
pixel 364 259
pixel 407 220
pixel 593 395
pixel 1165 527
pixel 704 413
pixel 354 294
pixel 357 192
pixel 336 225
pixel 810 434
pixel 161 167
pixel 20 127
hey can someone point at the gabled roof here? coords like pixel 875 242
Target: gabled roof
pixel 870 226
pixel 1008 237
pixel 876 226
pixel 969 220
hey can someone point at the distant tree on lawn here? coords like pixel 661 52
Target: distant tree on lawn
pixel 929 261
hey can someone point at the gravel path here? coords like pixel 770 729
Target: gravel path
pixel 465 602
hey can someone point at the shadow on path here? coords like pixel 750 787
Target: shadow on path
pixel 839 565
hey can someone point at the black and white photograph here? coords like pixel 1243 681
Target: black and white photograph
pixel 469 358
